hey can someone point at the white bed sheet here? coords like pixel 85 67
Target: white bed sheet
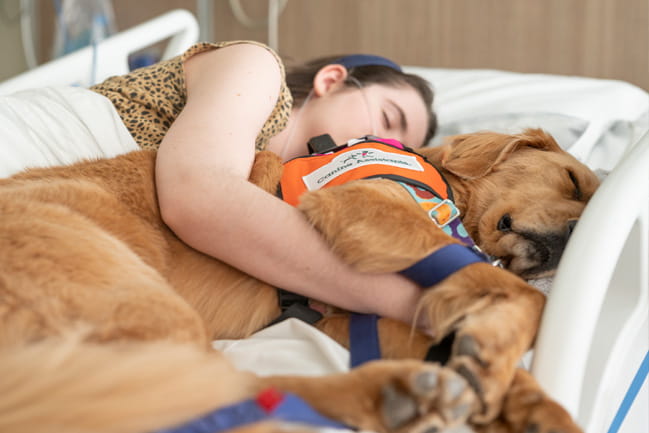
pixel 288 347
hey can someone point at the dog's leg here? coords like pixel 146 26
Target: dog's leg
pixel 373 224
pixel 60 270
pixel 382 396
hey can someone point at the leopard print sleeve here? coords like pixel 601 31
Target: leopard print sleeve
pixel 149 99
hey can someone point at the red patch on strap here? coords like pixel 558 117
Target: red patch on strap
pixel 269 399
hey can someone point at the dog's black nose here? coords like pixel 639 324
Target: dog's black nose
pixel 570 227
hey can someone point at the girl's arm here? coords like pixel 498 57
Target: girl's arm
pixel 201 172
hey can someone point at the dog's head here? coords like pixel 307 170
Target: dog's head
pixel 521 195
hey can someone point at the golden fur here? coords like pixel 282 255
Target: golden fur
pixel 85 246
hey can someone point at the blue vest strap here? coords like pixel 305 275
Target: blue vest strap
pixel 442 263
pixel 363 339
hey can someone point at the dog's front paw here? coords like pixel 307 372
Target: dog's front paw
pixel 486 349
pixel 416 397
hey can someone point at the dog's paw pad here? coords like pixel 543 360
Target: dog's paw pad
pixel 467 345
pixel 399 408
pixel 471 378
pixel 425 382
pixel 461 411
pixel 455 385
pixel 429 399
pixel 457 398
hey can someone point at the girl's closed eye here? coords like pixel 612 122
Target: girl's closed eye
pixel 386 120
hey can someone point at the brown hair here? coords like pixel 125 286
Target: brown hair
pixel 300 82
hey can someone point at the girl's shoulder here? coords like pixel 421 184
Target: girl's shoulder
pixel 251 56
pixel 202 47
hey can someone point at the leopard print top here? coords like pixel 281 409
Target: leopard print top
pixel 149 99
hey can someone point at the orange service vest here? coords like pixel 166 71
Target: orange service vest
pixel 361 159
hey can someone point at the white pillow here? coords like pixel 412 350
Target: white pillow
pixel 565 129
pixel 58 125
pixel 596 120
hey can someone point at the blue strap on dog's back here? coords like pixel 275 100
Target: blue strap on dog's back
pixel 363 339
pixel 225 418
pixel 289 408
pixel 442 263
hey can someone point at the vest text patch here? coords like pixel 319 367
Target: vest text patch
pixel 356 158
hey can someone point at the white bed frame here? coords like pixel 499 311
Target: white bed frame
pixel 594 335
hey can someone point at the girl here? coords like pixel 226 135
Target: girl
pixel 208 112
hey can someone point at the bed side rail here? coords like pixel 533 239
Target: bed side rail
pixel 88 65
pixel 593 336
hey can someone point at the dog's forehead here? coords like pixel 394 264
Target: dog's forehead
pixel 546 170
pixel 540 159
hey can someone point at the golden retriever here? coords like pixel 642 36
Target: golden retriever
pixel 84 245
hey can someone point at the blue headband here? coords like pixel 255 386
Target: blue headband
pixel 355 60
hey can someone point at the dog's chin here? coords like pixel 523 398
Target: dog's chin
pixel 525 268
pixel 534 273
pixel 534 255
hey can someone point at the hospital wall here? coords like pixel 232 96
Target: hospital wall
pixel 597 38
pixel 11 47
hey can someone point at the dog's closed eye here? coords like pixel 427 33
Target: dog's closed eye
pixel 576 194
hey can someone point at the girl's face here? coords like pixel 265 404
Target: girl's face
pixel 346 112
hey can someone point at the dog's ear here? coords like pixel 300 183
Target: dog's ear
pixel 471 156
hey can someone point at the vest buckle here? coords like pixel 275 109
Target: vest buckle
pixel 443 213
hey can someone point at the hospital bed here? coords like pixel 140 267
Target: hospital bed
pixel 592 350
